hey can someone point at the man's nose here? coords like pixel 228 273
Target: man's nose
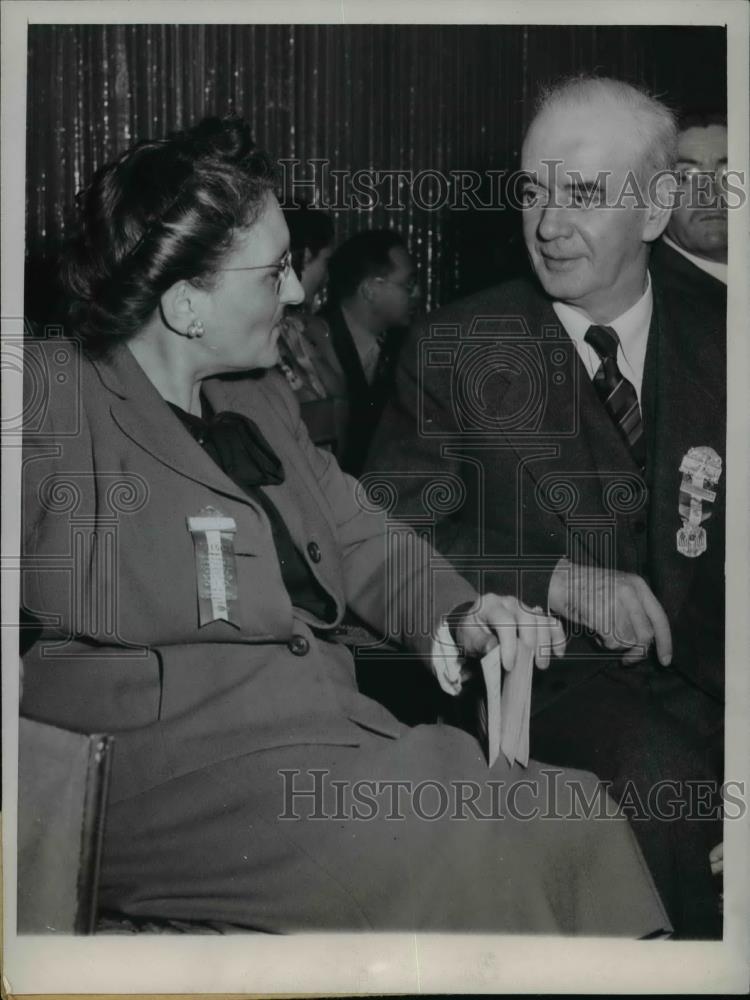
pixel 553 222
pixel 718 191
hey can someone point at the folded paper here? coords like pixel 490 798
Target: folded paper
pixel 508 705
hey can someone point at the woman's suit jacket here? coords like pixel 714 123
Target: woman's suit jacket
pixel 110 477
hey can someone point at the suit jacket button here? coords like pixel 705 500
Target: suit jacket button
pixel 313 550
pixel 298 645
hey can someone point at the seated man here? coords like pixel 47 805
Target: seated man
pixel 692 253
pixel 372 294
pixel 564 438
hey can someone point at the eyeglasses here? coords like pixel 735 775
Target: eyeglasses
pixel 284 266
pixel 411 287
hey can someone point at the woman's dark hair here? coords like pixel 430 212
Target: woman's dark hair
pixel 166 210
pixel 309 229
pixel 364 255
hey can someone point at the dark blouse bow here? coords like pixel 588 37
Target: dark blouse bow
pixel 237 445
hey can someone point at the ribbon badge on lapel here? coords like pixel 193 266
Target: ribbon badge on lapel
pixel 215 566
pixel 701 469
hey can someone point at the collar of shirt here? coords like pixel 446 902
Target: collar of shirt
pixel 631 327
pixel 369 362
pixel 713 267
pixel 366 343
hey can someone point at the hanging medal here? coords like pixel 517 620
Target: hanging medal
pixel 215 566
pixel 701 470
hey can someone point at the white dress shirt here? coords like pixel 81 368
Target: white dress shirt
pixel 631 327
pixel 715 268
pixel 366 343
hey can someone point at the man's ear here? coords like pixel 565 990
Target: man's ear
pixel 178 306
pixel 307 257
pixel 660 201
pixel 366 290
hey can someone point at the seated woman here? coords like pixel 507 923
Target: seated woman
pixel 191 554
pixel 312 373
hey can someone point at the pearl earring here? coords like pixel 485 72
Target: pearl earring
pixel 196 328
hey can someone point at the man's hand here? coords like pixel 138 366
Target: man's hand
pixel 505 620
pixel 619 607
pixel 716 859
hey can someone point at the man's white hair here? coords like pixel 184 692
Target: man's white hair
pixel 654 123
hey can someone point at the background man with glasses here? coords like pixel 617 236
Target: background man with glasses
pixel 692 254
pixel 576 422
pixel 372 296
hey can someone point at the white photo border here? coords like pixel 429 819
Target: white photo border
pixel 405 963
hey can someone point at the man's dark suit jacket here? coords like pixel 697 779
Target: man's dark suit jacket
pixel 366 400
pixel 674 271
pixel 497 442
pixel 498 446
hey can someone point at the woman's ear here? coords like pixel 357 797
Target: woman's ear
pixel 178 307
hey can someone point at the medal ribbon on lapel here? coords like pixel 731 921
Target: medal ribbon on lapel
pixel 215 566
pixel 701 469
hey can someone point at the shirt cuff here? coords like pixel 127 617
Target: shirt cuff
pixel 446 659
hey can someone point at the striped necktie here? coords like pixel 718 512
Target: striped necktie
pixel 616 392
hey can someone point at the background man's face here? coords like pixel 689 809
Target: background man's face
pixel 592 257
pixel 699 223
pixel 398 293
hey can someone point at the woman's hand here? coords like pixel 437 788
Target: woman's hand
pixel 492 621
pixel 506 622
pixel 509 622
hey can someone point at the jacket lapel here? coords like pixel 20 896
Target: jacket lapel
pixel 346 352
pixel 146 419
pixel 571 441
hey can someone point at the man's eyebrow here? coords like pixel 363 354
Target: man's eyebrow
pixel 579 184
pixel 696 163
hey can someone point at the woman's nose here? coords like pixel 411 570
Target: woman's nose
pixel 292 292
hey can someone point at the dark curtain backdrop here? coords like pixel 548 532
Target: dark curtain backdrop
pixel 374 97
